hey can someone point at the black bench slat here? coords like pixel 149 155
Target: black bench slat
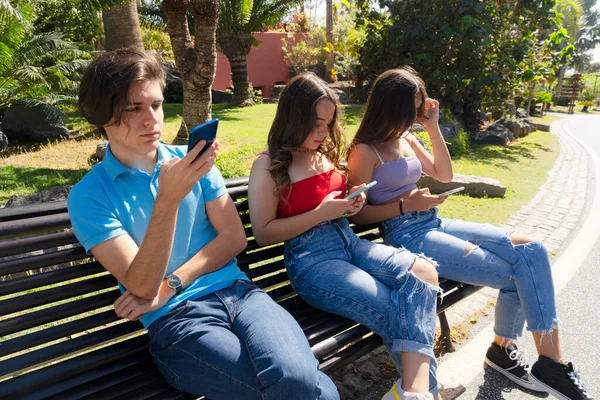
pixel 173 394
pixel 351 354
pixel 261 255
pixel 44 222
pixel 48 381
pixel 126 389
pixel 241 205
pixel 313 318
pixel 50 277
pixel 272 280
pixel 281 293
pixel 37 242
pixel 265 269
pixel 32 211
pixel 89 390
pixel 152 386
pixel 332 344
pixel 237 181
pixel 454 297
pixel 42 260
pixel 245 219
pixel 25 302
pixel 329 327
pixel 49 353
pixel 41 317
pixel 56 332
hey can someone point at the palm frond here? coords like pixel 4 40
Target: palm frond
pixel 269 12
pixel 40 46
pixel 29 74
pixel 7 11
pixel 97 5
pixel 235 14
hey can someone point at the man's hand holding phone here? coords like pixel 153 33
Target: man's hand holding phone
pixel 179 175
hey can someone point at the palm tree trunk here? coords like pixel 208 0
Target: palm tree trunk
pixel 242 96
pixel 195 61
pixel 329 38
pixel 122 27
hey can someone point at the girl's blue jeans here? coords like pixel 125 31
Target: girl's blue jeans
pixel 521 272
pixel 334 270
pixel 237 343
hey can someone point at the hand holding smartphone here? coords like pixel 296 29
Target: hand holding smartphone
pixel 452 191
pixel 206 131
pixel 361 190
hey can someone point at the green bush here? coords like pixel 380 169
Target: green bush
pixel 158 41
pixel 472 55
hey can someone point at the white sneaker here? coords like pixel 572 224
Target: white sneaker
pixel 397 393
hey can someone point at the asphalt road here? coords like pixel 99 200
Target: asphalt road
pixel 578 307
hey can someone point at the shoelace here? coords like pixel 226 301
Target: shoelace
pixel 517 356
pixel 574 375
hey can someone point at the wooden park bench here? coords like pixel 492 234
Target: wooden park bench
pixel 60 338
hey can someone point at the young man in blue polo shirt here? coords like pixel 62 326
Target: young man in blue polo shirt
pixel 162 223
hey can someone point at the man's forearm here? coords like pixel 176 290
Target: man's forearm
pixel 213 256
pixel 147 270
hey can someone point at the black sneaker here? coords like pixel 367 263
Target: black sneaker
pixel 560 380
pixel 511 363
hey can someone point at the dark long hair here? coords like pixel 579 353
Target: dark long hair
pixel 391 106
pixel 296 116
pixel 104 88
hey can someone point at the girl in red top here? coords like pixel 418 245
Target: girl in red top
pixel 297 195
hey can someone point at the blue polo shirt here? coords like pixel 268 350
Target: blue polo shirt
pixel 113 200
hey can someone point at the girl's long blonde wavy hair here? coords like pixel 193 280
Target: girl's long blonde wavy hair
pixel 295 118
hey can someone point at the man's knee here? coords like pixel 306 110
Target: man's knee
pixel 425 271
pixel 296 378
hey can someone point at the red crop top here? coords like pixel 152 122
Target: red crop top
pixel 308 193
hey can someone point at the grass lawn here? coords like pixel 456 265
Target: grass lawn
pixel 576 110
pixel 521 166
pixel 546 119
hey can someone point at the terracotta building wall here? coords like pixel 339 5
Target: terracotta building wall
pixel 266 65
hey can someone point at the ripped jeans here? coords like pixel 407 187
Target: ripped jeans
pixel 334 270
pixel 521 272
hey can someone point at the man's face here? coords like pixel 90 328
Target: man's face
pixel 141 126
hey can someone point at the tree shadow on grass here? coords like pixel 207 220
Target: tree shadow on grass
pixel 490 154
pixel 19 180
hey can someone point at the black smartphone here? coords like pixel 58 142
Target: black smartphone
pixel 206 131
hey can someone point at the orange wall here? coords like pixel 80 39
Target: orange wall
pixel 265 62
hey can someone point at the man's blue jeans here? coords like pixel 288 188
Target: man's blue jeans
pixel 521 272
pixel 334 270
pixel 237 343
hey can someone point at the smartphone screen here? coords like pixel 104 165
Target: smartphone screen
pixel 206 131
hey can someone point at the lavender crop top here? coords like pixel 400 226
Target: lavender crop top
pixel 394 178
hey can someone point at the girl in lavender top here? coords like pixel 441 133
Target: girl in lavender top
pixel 467 252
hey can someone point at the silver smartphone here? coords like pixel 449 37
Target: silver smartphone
pixel 449 192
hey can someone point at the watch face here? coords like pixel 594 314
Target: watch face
pixel 174 281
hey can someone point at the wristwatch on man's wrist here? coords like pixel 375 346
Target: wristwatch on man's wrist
pixel 174 282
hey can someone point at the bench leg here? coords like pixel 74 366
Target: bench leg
pixel 445 340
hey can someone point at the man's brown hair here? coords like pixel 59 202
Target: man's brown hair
pixel 104 87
